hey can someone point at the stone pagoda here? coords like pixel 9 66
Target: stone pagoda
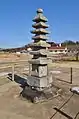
pixel 39 70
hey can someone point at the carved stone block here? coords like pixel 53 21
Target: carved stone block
pixel 37 82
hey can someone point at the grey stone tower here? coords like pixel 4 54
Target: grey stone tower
pixel 38 73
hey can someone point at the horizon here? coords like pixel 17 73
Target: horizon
pixel 30 42
pixel 16 22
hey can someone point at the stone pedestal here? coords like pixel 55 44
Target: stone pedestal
pixel 37 81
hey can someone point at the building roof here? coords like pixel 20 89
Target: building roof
pixel 52 43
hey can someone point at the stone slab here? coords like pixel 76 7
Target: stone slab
pixel 41 51
pixel 38 61
pixel 37 82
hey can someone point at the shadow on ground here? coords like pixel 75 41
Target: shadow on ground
pixel 18 79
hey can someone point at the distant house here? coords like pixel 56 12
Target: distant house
pixel 58 50
pixel 52 43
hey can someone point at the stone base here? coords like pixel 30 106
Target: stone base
pixel 36 96
pixel 37 82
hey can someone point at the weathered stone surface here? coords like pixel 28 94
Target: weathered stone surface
pixel 37 82
pixel 40 30
pixel 41 43
pixel 38 52
pixel 40 16
pixel 38 61
pixel 40 24
pixel 38 74
pixel 41 72
pixel 41 37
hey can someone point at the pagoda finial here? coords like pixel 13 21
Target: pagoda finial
pixel 40 10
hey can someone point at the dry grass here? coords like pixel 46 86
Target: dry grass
pixel 65 64
pixel 4 80
pixel 13 57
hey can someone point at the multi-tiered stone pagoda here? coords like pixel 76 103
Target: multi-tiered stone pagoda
pixel 38 73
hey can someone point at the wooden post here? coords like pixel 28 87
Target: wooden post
pixel 29 69
pixel 12 72
pixel 71 75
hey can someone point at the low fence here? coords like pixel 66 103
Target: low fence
pixel 65 74
pixel 14 68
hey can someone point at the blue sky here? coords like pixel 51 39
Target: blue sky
pixel 16 20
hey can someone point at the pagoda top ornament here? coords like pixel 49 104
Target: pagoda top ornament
pixel 40 10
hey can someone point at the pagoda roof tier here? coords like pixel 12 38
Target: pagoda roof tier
pixel 40 31
pixel 40 60
pixel 39 52
pixel 40 25
pixel 40 37
pixel 41 44
pixel 40 17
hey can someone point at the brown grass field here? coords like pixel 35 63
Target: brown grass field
pixel 12 106
pixel 12 57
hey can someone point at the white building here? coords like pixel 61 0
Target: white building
pixel 58 50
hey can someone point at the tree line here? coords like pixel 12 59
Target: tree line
pixel 69 42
